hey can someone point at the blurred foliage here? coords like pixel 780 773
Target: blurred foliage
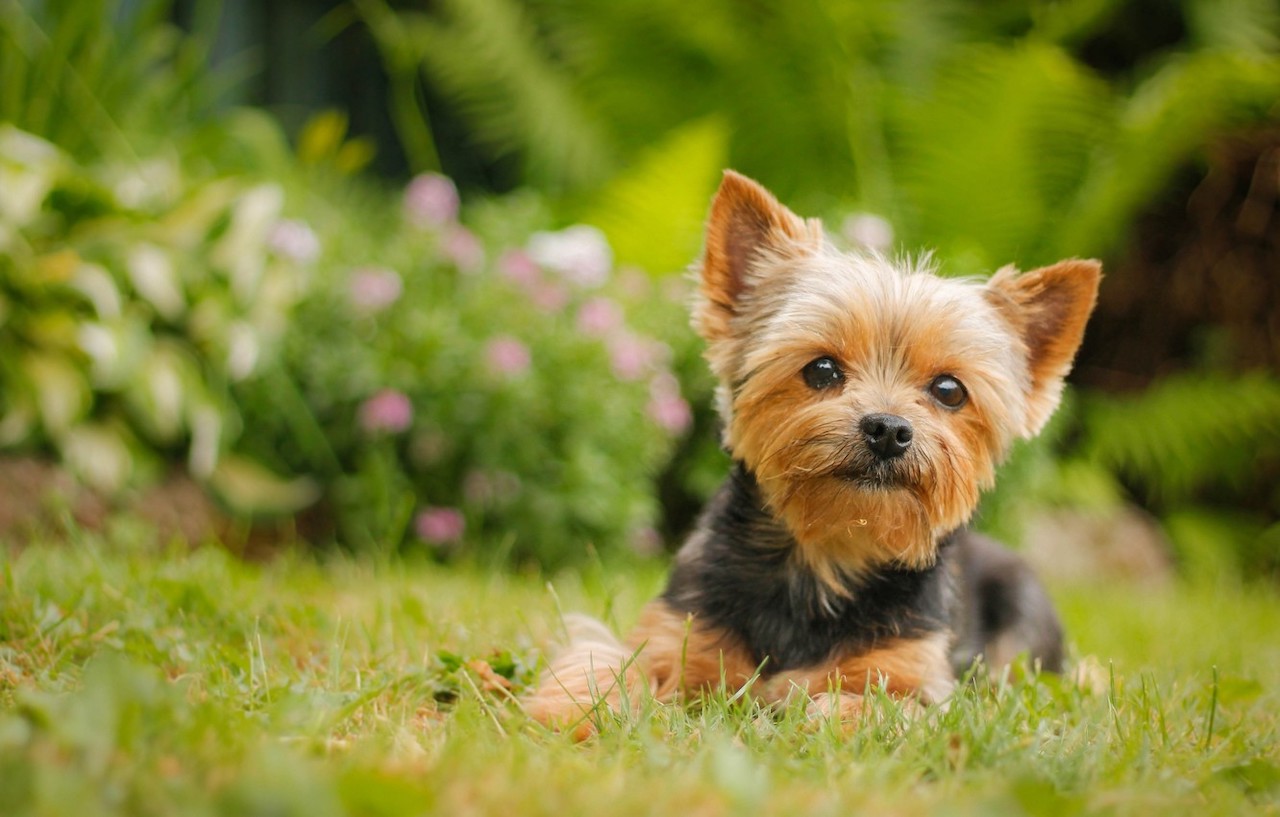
pixel 103 77
pixel 506 384
pixel 1015 131
pixel 899 107
pixel 177 285
pixel 301 339
pixel 425 379
pixel 134 298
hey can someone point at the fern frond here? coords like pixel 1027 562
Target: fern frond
pixel 99 76
pixel 987 159
pixel 1187 431
pixel 653 212
pixel 486 57
pixel 1169 116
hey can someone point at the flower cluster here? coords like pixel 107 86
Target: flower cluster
pixel 504 389
pixel 458 388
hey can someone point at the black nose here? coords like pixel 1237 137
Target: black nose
pixel 888 435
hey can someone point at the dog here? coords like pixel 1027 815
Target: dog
pixel 866 404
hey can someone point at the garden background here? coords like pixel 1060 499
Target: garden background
pixel 400 284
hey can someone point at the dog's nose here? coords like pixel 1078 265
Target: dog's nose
pixel 888 435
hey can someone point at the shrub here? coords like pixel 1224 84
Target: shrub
pixel 427 381
pixel 134 298
pixel 441 380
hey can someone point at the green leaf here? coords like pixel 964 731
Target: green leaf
pixel 990 157
pixel 250 488
pixel 1187 431
pixel 61 391
pixel 1168 118
pixel 100 454
pixel 653 212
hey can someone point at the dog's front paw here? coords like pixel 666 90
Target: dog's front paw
pixel 561 712
pixel 849 709
pixel 844 707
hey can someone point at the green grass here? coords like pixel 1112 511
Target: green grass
pixel 141 681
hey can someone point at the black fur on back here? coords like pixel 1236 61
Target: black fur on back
pixel 738 573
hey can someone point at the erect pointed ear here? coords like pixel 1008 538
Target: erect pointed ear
pixel 1048 308
pixel 746 225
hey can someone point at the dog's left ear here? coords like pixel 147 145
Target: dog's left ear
pixel 1048 308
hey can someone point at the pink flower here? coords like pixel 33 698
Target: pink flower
pixel 549 296
pixel 294 240
pixel 482 487
pixel 676 289
pixel 646 542
pixel 431 200
pixel 671 413
pixel 633 283
pixel 439 526
pixel 388 411
pixel 664 384
pixel 516 266
pixel 373 289
pixel 632 357
pixel 580 254
pixel 508 356
pixel 463 248
pixel 598 317
pixel 666 407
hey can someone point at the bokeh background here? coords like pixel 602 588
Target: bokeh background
pixel 412 276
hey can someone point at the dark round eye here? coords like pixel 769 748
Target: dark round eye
pixel 948 391
pixel 822 373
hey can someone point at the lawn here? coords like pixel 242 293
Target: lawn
pixel 142 680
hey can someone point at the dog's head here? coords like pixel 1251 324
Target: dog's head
pixel 873 400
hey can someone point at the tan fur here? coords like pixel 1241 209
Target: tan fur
pixel 680 655
pixel 773 298
pixel 789 299
pixel 1048 309
pixel 905 668
pixel 593 671
pixel 671 657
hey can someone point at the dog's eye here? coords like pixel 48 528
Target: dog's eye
pixel 822 373
pixel 948 391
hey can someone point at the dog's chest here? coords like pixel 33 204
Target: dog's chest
pixel 799 622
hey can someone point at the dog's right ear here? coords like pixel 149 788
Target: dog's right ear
pixel 747 226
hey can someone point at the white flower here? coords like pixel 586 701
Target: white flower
pixel 163 378
pixel 99 343
pixel 146 184
pixel 580 254
pixel 868 231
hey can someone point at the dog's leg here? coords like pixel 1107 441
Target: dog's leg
pixel 682 657
pixel 844 707
pixel 1004 610
pixel 594 673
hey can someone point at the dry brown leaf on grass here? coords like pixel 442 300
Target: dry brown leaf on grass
pixel 490 680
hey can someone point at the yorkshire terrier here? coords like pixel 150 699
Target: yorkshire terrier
pixel 866 405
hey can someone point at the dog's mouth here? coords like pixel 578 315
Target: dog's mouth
pixel 877 476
